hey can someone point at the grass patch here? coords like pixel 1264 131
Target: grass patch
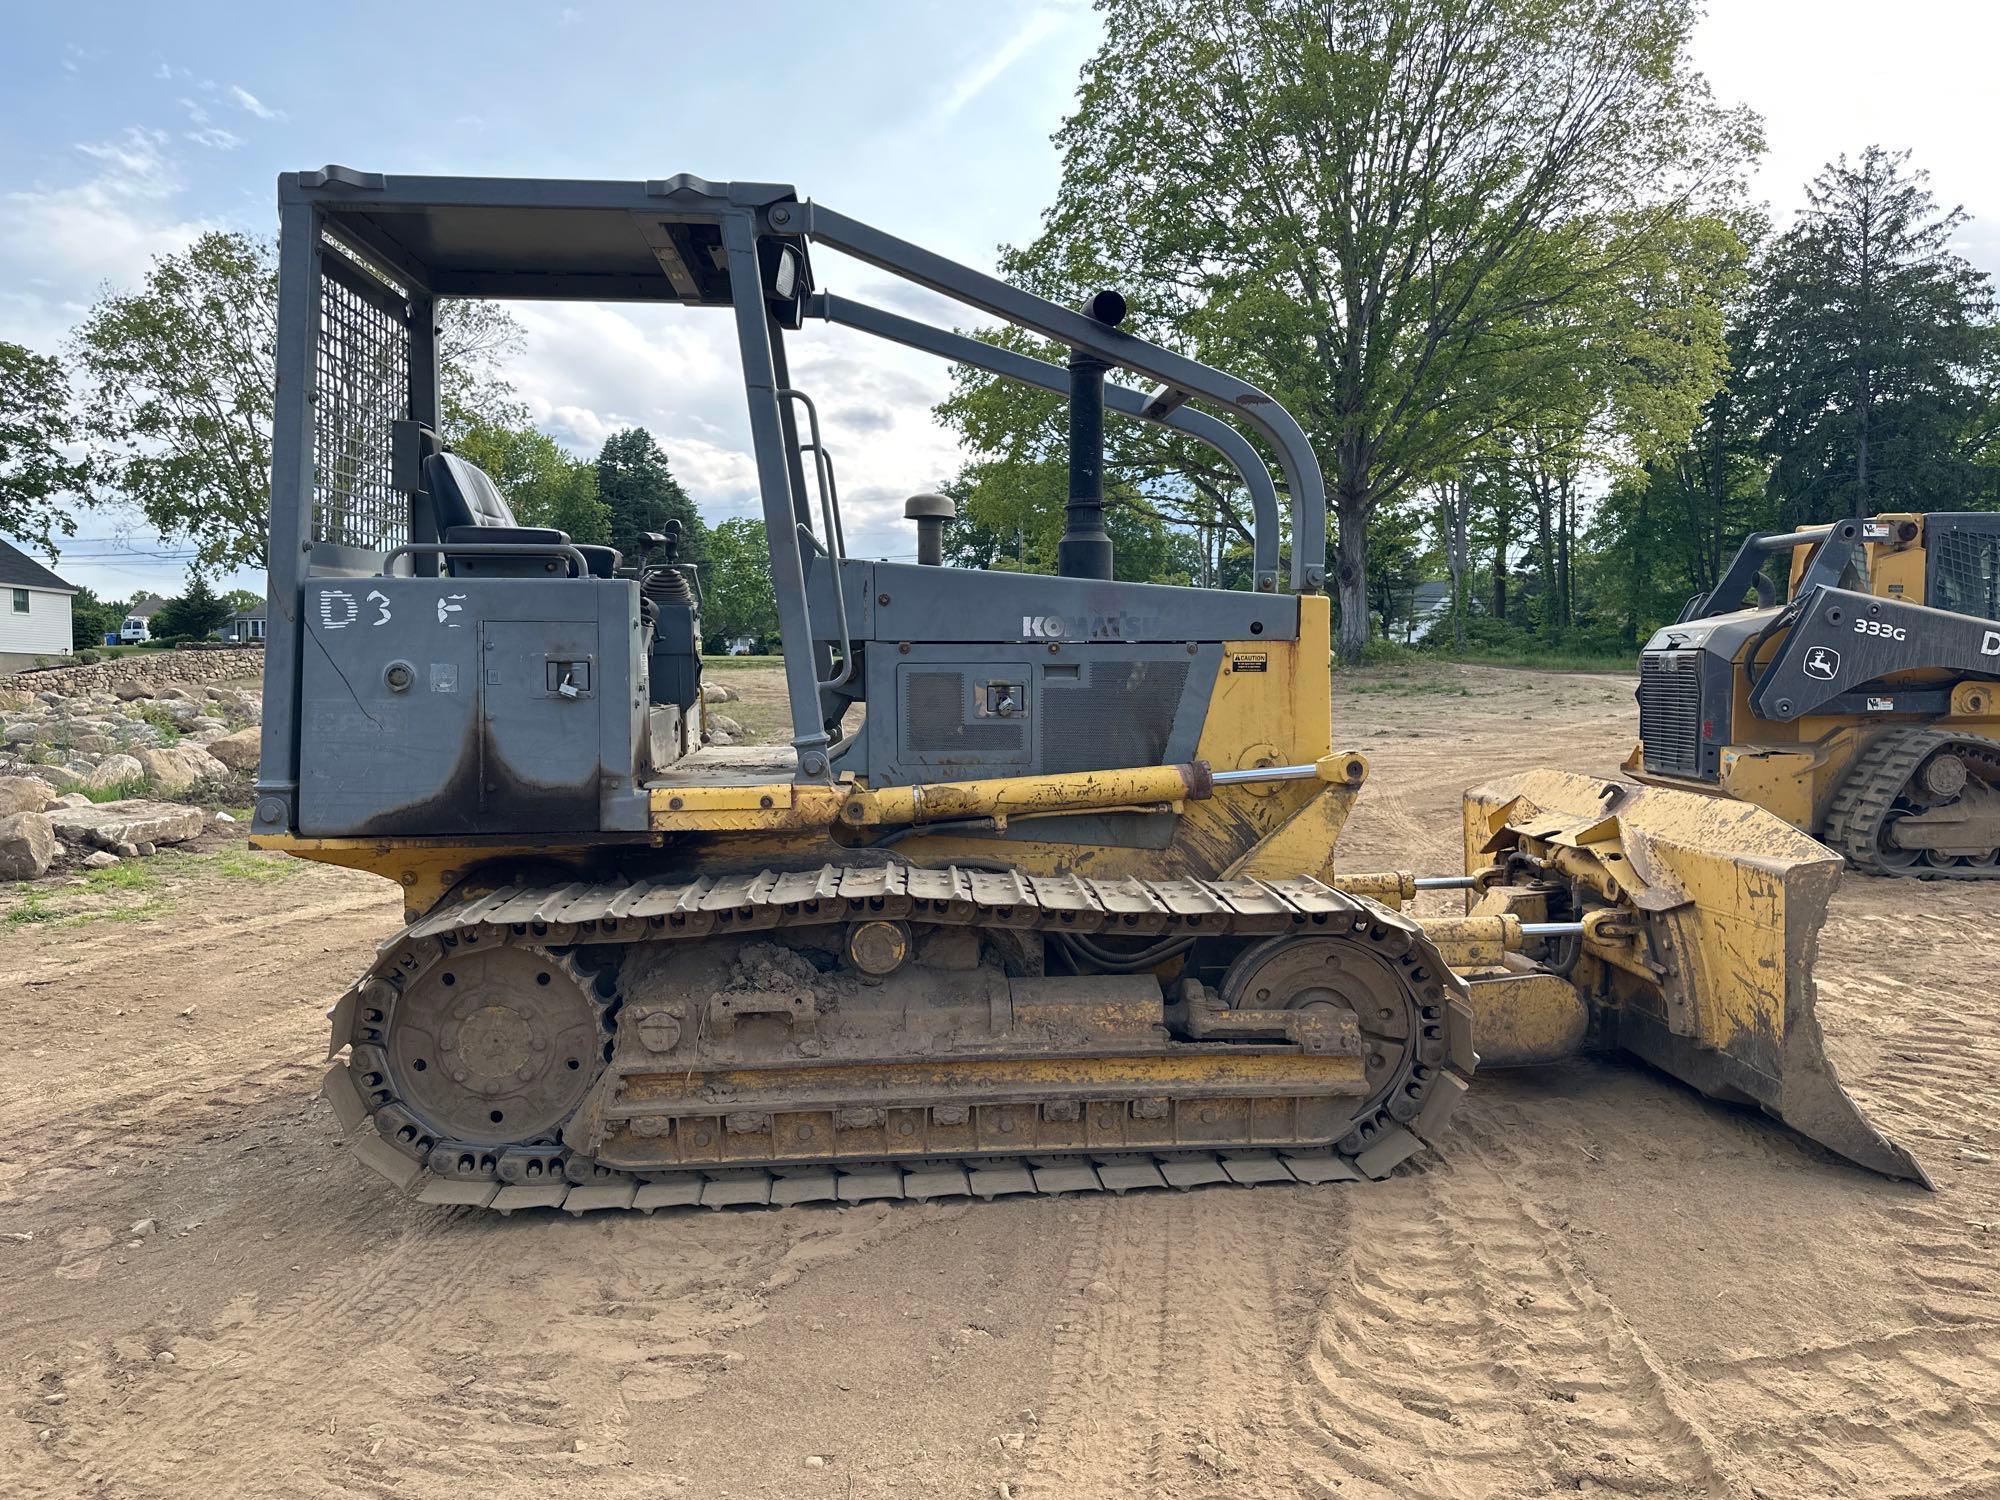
pixel 126 875
pixel 1413 685
pixel 1551 659
pixel 118 791
pixel 245 864
pixel 33 906
pixel 168 726
pixel 739 663
pixel 138 890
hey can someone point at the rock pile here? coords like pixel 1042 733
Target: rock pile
pixel 113 733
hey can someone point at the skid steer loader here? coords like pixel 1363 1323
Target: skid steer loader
pixel 1864 709
pixel 1041 895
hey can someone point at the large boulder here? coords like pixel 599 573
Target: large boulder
pixel 62 778
pixel 20 794
pixel 179 767
pixel 112 770
pixel 238 751
pixel 27 846
pixel 131 692
pixel 105 825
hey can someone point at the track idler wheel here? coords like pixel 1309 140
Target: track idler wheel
pixel 496 1045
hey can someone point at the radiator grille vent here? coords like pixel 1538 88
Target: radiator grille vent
pixel 1117 714
pixel 938 719
pixel 1670 712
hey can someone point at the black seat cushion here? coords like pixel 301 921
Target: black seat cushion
pixel 464 493
pixel 471 509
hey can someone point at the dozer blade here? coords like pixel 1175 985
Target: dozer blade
pixel 1714 982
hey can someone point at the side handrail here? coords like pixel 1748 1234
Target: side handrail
pixel 823 478
pixel 989 294
pixel 1009 365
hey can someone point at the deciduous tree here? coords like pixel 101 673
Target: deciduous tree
pixel 181 376
pixel 1394 214
pixel 37 471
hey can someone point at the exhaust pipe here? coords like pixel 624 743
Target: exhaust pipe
pixel 1085 551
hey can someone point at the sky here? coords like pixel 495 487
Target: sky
pixel 128 128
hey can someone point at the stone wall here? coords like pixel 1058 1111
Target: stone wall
pixel 158 667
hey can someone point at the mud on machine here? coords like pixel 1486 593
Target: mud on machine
pixel 1041 895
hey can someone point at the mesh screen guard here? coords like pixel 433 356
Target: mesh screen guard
pixel 363 386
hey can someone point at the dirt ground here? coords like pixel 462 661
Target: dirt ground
pixel 1603 1284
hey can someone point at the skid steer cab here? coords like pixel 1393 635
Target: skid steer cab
pixel 1037 890
pixel 1863 707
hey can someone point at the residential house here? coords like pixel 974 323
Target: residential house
pixel 244 625
pixel 34 611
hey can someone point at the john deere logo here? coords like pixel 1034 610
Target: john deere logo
pixel 1823 662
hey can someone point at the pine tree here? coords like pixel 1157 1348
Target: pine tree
pixel 633 480
pixel 1874 348
pixel 193 615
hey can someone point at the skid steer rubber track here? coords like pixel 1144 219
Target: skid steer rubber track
pixel 560 922
pixel 1859 813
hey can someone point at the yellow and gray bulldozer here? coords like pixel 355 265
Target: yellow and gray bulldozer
pixel 1863 709
pixel 1041 894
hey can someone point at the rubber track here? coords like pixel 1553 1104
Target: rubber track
pixel 651 910
pixel 1867 794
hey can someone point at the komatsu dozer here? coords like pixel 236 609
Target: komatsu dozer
pixel 1041 894
pixel 1863 709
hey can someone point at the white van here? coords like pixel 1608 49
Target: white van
pixel 134 632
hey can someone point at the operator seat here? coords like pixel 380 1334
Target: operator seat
pixel 470 508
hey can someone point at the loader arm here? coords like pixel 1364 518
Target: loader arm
pixel 1840 641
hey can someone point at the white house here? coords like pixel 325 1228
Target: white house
pixel 34 611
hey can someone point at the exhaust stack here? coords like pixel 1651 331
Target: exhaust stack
pixel 1085 551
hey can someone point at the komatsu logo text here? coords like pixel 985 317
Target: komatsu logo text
pixel 1118 627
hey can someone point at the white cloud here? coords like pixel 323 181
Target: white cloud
pixel 249 101
pixel 587 371
pixel 1038 28
pixel 60 242
pixel 163 71
pixel 215 138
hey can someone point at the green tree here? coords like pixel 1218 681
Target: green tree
pixel 194 614
pixel 544 485
pixel 36 429
pixel 182 375
pixel 736 595
pixel 91 619
pixel 1394 214
pixel 641 494
pixel 1874 360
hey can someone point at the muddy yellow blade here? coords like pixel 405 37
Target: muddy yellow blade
pixel 1702 962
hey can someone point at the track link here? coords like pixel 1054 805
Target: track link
pixel 1862 804
pixel 561 919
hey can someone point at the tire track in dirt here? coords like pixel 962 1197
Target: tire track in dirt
pixel 1173 1370
pixel 1458 1356
pixel 1911 1416
pixel 426 1359
pixel 1924 1064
